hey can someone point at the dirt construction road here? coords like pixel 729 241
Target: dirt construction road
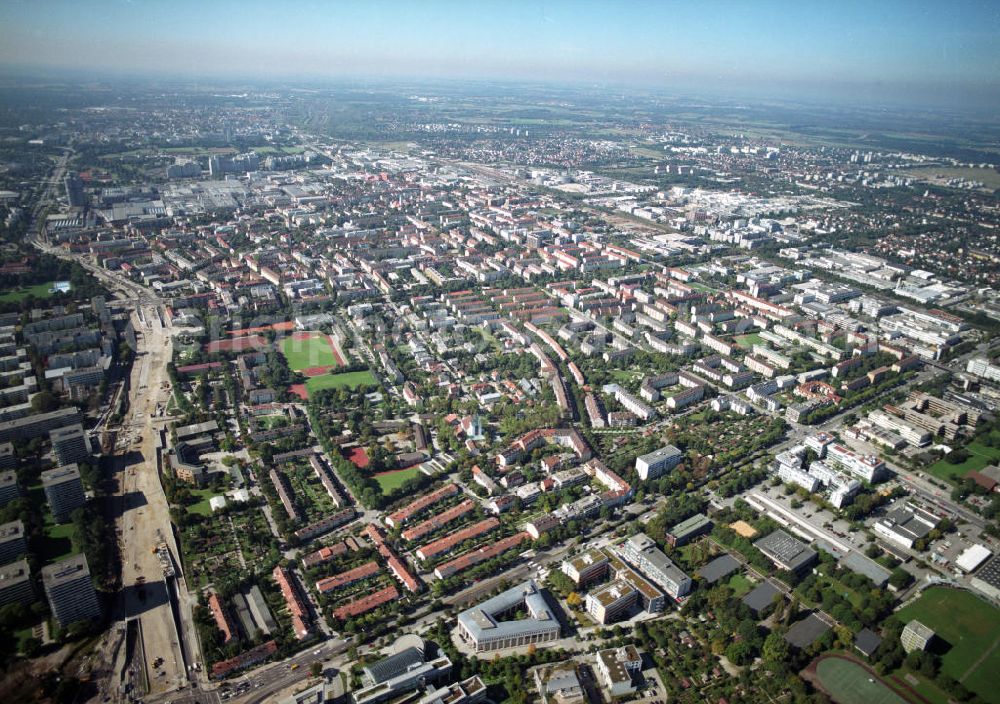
pixel 145 518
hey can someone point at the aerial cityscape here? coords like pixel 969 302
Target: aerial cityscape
pixel 432 353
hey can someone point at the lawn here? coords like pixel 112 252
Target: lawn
pixel 308 350
pixel 58 542
pixel 38 291
pixel 22 636
pixel 739 584
pixel 201 506
pixel 266 149
pixel 270 422
pixel 748 341
pixel 390 481
pixel 989 177
pixel 979 456
pixel 490 339
pixel 828 583
pixel 333 381
pixel 688 554
pixel 624 376
pixel 849 683
pixel 970 627
pixel 195 150
pixel 921 685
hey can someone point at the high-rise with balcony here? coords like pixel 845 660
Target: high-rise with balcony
pixel 70 592
pixel 64 491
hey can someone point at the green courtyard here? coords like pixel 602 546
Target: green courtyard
pixel 748 341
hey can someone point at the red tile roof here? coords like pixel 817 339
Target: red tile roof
pixel 367 603
pixel 443 545
pixel 215 606
pixel 434 522
pixel 298 610
pixel 344 578
pixel 404 514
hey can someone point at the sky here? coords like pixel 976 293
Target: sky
pixel 933 51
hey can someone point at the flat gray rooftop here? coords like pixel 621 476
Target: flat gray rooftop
pixel 718 568
pixel 782 547
pixel 761 596
pixel 804 633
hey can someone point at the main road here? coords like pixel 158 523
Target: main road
pixel 47 195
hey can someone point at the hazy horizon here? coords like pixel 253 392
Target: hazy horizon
pixel 918 53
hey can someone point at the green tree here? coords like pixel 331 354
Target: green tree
pixel 900 578
pixel 775 649
pixel 740 653
pixel 32 647
pixel 44 402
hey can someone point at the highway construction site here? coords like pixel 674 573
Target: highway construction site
pixel 152 649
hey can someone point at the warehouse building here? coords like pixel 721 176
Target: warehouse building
pixel 786 552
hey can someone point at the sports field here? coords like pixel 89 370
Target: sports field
pixel 393 480
pixel 849 683
pixel 980 455
pixel 309 350
pixel 351 380
pixel 971 628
